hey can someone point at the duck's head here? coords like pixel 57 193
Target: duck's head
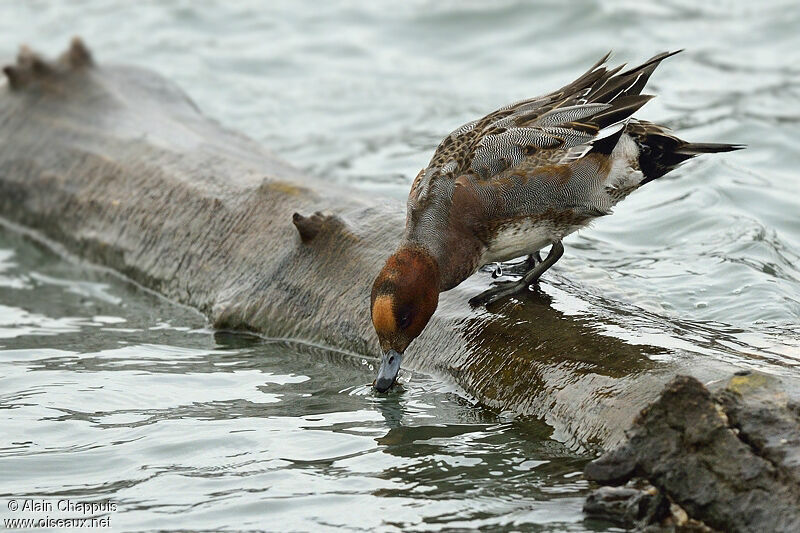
pixel 404 297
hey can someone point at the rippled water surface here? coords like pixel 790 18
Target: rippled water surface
pixel 109 392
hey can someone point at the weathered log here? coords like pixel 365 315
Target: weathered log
pixel 118 166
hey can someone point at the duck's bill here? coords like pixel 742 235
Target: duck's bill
pixel 387 373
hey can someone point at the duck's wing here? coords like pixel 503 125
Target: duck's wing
pixel 549 129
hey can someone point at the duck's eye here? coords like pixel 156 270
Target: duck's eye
pixel 405 319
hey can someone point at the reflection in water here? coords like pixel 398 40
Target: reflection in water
pixel 579 344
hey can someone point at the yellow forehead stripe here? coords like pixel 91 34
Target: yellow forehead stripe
pixel 383 315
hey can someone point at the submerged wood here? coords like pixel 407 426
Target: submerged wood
pixel 120 167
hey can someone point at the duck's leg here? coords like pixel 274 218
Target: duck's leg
pixel 532 260
pixel 510 288
pixel 500 269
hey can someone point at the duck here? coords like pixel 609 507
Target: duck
pixel 514 182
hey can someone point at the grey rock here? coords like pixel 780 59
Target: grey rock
pixel 728 458
pixel 626 506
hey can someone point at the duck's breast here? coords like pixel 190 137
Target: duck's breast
pixel 523 236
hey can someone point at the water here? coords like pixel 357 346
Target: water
pixel 109 392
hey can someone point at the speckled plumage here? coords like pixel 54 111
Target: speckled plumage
pixel 513 182
pixel 534 171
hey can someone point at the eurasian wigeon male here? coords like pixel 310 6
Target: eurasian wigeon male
pixel 513 182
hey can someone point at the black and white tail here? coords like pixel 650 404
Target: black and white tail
pixel 660 151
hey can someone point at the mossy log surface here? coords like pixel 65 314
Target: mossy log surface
pixel 119 167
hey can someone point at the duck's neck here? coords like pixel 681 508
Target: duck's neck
pixel 455 256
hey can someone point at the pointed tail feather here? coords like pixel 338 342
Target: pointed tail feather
pixel 631 82
pixel 660 151
pixel 691 149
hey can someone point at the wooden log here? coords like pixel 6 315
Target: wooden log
pixel 119 167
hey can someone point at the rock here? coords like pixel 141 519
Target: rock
pixel 729 458
pixel 627 506
pixel 765 418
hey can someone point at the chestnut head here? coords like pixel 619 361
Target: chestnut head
pixel 404 296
